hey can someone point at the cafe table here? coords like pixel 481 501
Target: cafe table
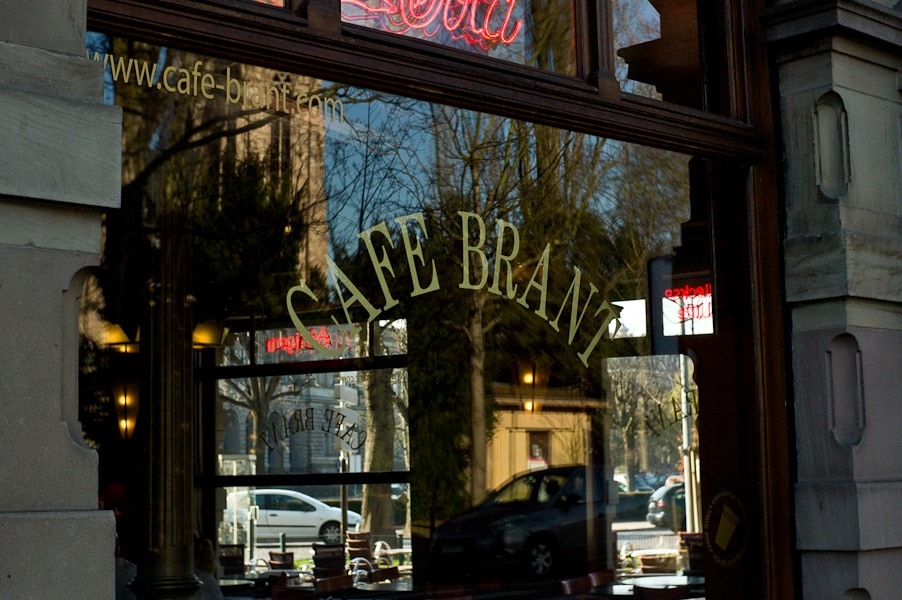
pixel 696 583
pixel 663 581
pixel 253 583
pixel 237 587
pixel 623 588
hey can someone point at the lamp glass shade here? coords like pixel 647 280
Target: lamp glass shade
pixel 125 398
pixel 208 334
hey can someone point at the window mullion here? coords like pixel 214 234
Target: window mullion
pixel 595 45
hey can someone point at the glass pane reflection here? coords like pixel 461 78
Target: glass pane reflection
pixel 256 523
pixel 504 265
pixel 305 423
pixel 657 44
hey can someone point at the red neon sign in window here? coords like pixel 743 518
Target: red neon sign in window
pixel 688 310
pixel 296 344
pixel 481 23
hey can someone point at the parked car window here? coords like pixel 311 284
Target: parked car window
pixel 294 504
pixel 550 488
pixel 519 490
pixel 575 490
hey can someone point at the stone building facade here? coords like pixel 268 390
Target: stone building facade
pixel 59 168
pixel 839 85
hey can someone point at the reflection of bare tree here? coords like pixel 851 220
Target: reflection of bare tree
pixel 600 205
pixel 257 397
pixel 634 22
pixel 381 401
pixel 571 438
pixel 475 174
pixel 191 180
pixel 244 186
pixel 243 183
pixel 375 154
pixel 539 180
pixel 645 412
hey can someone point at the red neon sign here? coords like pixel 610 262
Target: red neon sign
pixel 296 344
pixel 693 302
pixel 478 22
pixel 688 291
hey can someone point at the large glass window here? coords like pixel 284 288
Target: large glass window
pixel 301 423
pixel 400 307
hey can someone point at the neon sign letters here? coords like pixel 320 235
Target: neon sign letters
pixel 481 23
pixel 297 343
pixel 688 310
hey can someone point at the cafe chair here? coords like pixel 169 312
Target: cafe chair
pixel 336 583
pixel 360 546
pixel 677 592
pixel 600 578
pixel 231 558
pixel 281 560
pixel 367 563
pixel 576 585
pixel 328 560
pixel 329 570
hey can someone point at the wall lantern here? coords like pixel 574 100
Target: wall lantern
pixel 114 337
pixel 208 334
pixel 125 397
pixel 532 384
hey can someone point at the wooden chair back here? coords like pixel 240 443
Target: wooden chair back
pixel 281 560
pixel 576 585
pixel 600 578
pixel 360 545
pixel 328 560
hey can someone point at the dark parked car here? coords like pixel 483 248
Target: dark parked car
pixel 537 522
pixel 667 507
pixel 631 506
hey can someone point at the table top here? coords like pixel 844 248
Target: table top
pixel 254 575
pixel 664 580
pixel 655 552
pixel 619 589
pixel 230 582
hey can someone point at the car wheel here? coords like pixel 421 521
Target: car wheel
pixel 541 557
pixel 330 533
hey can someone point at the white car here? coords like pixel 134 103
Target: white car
pixel 297 515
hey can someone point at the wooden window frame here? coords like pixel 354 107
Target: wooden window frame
pixel 307 37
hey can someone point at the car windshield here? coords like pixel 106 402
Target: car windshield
pixel 528 488
pixel 661 492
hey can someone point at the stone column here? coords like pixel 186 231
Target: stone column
pixel 166 566
pixel 839 83
pixel 59 167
